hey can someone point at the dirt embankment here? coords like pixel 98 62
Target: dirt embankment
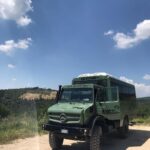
pixel 139 139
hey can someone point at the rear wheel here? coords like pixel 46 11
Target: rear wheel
pixel 123 131
pixel 95 139
pixel 55 141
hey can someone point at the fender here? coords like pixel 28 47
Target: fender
pixel 122 120
pixel 93 124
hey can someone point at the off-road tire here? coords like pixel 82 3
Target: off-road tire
pixel 95 139
pixel 55 141
pixel 123 131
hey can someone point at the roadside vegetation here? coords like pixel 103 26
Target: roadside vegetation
pixel 143 111
pixel 20 118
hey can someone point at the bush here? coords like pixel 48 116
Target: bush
pixel 142 113
pixel 143 110
pixel 15 127
pixel 4 112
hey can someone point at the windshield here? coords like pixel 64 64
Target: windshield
pixel 77 94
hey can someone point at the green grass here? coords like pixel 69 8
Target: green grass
pixel 142 113
pixel 24 120
pixel 17 127
pixel 142 121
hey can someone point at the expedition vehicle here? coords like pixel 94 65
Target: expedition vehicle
pixel 90 107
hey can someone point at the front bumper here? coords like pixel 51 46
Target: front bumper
pixel 71 131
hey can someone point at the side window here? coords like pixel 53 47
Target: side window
pixel 114 94
pixel 100 95
pixel 104 94
pixel 111 94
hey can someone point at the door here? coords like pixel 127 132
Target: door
pixel 107 102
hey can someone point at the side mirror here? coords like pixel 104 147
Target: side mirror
pixel 60 87
pixel 56 99
pixel 58 93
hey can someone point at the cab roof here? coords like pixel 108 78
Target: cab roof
pixel 94 74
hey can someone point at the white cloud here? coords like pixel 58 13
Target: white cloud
pixel 146 77
pixel 16 10
pixel 139 34
pixel 109 32
pixel 14 79
pixel 11 45
pixel 23 21
pixel 142 90
pixel 127 80
pixel 11 66
pixel 124 41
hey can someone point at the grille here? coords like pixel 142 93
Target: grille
pixel 69 117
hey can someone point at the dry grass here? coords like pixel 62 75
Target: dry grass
pixel 38 96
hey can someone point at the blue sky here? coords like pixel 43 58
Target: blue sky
pixel 48 42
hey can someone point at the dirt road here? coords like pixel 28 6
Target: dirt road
pixel 139 139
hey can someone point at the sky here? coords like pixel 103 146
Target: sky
pixel 46 43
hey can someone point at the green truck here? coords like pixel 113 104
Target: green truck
pixel 89 108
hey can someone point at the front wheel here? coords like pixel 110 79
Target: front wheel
pixel 55 141
pixel 95 139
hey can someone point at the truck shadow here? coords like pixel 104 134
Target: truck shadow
pixel 136 138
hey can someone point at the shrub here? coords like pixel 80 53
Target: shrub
pixel 4 112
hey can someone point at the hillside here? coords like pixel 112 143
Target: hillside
pixel 14 101
pixel 37 95
pixel 23 111
pixel 143 100
pixel 27 94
